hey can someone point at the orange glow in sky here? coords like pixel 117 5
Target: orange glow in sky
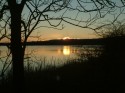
pixel 65 38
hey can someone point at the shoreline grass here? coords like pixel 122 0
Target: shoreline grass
pixel 91 76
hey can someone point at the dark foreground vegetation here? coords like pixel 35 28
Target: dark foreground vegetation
pixel 102 72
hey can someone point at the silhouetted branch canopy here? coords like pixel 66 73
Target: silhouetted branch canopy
pixel 82 13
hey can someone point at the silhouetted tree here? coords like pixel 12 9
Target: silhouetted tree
pixel 24 17
pixel 21 29
pixel 114 36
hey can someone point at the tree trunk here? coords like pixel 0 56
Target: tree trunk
pixel 17 50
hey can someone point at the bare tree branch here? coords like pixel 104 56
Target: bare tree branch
pixel 86 14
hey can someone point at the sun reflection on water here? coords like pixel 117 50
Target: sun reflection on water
pixel 66 50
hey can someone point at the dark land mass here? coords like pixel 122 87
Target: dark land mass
pixel 100 73
pixel 65 42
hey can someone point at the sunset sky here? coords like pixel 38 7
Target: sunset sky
pixel 67 31
pixel 46 32
pixel 74 31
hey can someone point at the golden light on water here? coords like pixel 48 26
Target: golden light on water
pixel 66 50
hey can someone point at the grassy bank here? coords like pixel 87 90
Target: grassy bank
pixel 95 76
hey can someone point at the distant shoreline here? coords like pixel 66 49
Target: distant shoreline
pixel 64 42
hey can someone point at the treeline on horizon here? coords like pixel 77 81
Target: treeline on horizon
pixel 99 41
pixel 96 41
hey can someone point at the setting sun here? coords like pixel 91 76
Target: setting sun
pixel 66 38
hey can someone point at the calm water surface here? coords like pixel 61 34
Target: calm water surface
pixel 52 51
pixel 47 55
pixel 50 55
